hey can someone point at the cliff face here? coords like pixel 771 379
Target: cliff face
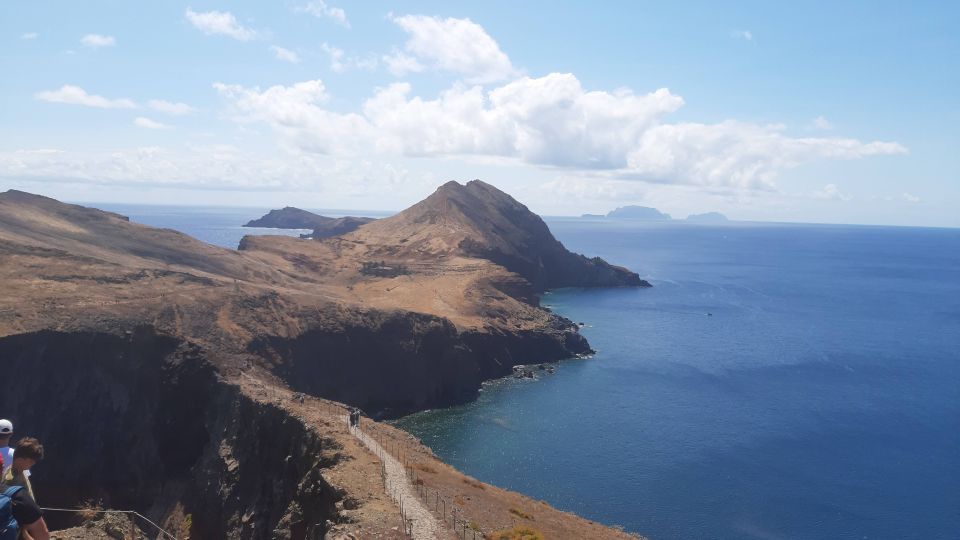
pixel 142 421
pixel 363 363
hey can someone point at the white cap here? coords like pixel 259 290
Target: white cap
pixel 6 427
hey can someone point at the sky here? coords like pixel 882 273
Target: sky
pixel 832 112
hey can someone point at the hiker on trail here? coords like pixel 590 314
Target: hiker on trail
pixel 6 453
pixel 18 511
pixel 27 453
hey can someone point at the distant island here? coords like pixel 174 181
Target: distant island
pixel 295 218
pixel 647 213
pixel 708 217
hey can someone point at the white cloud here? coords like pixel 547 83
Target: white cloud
pixel 400 63
pixel 910 198
pixel 219 22
pixel 336 57
pixel 285 54
pixel 320 9
pixel 822 123
pixel 295 112
pixel 147 123
pixel 168 107
pixel 29 35
pixel 745 35
pixel 550 121
pixel 74 95
pixel 831 192
pixel 339 62
pixel 95 41
pixel 456 45
pixel 211 166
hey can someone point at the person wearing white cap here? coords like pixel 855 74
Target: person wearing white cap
pixel 6 431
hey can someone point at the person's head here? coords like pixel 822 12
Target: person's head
pixel 6 431
pixel 27 453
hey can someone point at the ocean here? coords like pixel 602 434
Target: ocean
pixel 779 381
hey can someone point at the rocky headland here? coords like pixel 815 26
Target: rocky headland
pixel 194 383
pixel 294 218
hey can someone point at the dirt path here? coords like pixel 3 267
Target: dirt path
pixel 425 525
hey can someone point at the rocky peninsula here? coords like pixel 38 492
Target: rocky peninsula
pixel 289 217
pixel 201 385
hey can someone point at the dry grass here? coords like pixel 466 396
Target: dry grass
pixel 520 532
pixel 89 510
pixel 425 468
pixel 473 483
pixel 520 513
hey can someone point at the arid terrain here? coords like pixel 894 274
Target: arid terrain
pixel 201 386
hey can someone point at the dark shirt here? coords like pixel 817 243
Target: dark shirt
pixel 25 510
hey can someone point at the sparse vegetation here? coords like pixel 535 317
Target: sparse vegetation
pixel 89 510
pixel 520 532
pixel 520 513
pixel 425 468
pixel 383 269
pixel 473 483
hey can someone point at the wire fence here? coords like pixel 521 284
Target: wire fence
pixel 130 512
pixel 445 509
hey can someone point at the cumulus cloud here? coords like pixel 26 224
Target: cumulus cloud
pixel 400 63
pixel 95 41
pixel 321 10
pixel 549 121
pixel 147 123
pixel 29 35
pixel 168 107
pixel 455 45
pixel 745 35
pixel 297 114
pixel 219 23
pixel 74 95
pixel 285 54
pixel 910 198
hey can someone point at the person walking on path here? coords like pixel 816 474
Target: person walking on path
pixel 27 453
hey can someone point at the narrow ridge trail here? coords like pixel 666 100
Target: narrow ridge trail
pixel 425 525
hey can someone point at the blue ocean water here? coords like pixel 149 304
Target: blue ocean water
pixel 217 225
pixel 777 382
pixel 819 399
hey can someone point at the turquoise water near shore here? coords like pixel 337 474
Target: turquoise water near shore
pixel 820 399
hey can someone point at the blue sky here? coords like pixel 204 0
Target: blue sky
pixel 822 112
